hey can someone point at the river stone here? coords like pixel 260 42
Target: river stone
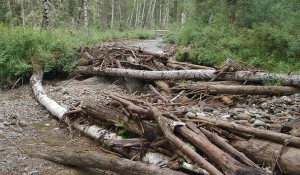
pixel 225 117
pixel 2 126
pixel 242 116
pixel 208 109
pixel 258 123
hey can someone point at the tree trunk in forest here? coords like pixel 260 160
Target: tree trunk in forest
pixel 143 14
pixel 106 162
pixel 112 14
pixel 45 22
pixel 265 153
pixel 293 80
pixel 86 20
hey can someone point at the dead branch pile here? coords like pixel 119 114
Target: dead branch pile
pixel 157 124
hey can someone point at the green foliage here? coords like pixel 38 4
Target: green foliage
pixel 260 33
pixel 54 49
pixel 122 132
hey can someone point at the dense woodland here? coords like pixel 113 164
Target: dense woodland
pixel 264 34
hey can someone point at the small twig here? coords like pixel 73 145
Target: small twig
pixel 73 111
pixel 177 96
pixel 22 152
pixel 279 156
pixel 15 84
pixel 159 94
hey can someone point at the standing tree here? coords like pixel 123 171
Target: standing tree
pixel 112 14
pixel 86 20
pixel 45 22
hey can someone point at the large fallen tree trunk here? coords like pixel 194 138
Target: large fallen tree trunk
pixel 238 89
pixel 228 164
pixel 107 162
pixel 259 133
pixel 179 144
pixel 143 128
pixel 285 79
pixel 265 153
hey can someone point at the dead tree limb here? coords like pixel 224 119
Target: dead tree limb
pixel 238 89
pixel 228 148
pixel 228 164
pixel 263 152
pixel 264 134
pixel 107 162
pixel 164 126
pixel 293 80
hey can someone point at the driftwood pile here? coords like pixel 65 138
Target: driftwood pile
pixel 159 128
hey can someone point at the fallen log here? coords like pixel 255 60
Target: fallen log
pixel 164 126
pixel 259 133
pixel 143 128
pixel 238 89
pixel 228 164
pixel 293 80
pixel 107 162
pixel 265 152
pixel 228 148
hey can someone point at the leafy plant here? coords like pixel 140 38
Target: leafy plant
pixel 121 131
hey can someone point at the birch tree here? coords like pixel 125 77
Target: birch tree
pixel 45 22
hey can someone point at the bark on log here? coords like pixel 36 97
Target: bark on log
pixel 264 134
pixel 107 162
pixel 164 126
pixel 228 164
pixel 145 128
pixel 263 152
pixel 293 80
pixel 252 90
pixel 228 148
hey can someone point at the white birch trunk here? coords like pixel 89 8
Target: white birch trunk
pixel 293 80
pixel 86 20
pixel 112 14
pixel 45 22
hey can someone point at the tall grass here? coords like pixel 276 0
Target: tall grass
pixel 53 49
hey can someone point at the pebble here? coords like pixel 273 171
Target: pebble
pixel 190 115
pixel 208 109
pixel 2 126
pixel 242 116
pixel 201 114
pixel 226 117
pixel 258 123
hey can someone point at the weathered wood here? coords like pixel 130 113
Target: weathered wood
pixel 241 89
pixel 228 164
pixel 293 80
pixel 265 152
pixel 143 128
pixel 107 162
pixel 164 126
pixel 259 133
pixel 194 66
pixel 93 131
pixel 228 148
